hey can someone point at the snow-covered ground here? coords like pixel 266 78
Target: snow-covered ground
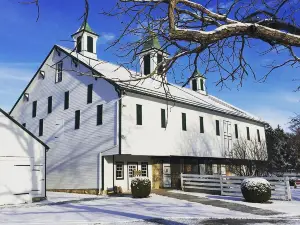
pixel 105 209
pixel 291 208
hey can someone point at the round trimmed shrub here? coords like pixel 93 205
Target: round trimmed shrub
pixel 140 187
pixel 256 190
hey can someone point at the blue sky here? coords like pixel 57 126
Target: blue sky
pixel 25 43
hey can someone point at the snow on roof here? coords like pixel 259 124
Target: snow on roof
pixel 153 87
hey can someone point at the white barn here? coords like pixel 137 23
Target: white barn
pixel 22 163
pixel 100 131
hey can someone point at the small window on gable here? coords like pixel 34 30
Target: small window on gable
pixel 258 136
pixel 120 170
pixel 201 85
pixel 163 118
pixel 183 120
pixel 41 127
pixel 90 94
pixel 78 47
pixel 77 119
pixel 49 104
pixel 201 125
pixel 236 131
pixel 139 115
pixel 147 64
pixel 248 133
pixel 67 96
pixel 159 60
pixel 34 108
pixel 59 67
pixel 217 127
pixel 99 114
pixel 194 85
pixel 90 44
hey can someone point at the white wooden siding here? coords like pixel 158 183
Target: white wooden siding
pixel 72 161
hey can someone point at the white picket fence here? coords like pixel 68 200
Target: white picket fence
pixel 231 185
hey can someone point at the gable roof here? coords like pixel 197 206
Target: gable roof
pixel 151 87
pixel 23 128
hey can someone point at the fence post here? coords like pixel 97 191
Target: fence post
pixel 221 184
pixel 181 181
pixel 288 189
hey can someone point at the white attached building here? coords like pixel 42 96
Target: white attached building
pixel 100 130
pixel 22 163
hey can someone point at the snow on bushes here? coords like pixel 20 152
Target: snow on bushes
pixel 140 187
pixel 256 190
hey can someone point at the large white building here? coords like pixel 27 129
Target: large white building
pixel 100 131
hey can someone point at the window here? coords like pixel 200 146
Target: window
pixel 90 44
pixel 258 135
pixel 201 125
pixel 41 127
pixel 24 124
pixel 90 94
pixel 59 67
pixel 49 104
pixel 236 131
pixel 183 120
pixel 119 170
pixel 34 106
pixel 163 118
pixel 139 114
pixel 99 114
pixel 77 119
pixel 144 169
pixel 248 133
pixel 159 60
pixel 78 48
pixel 194 85
pixel 201 85
pixel 217 127
pixel 67 96
pixel 146 64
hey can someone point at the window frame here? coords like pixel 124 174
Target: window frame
pixel 201 121
pixel 122 164
pixel 218 132
pixel 159 60
pixel 41 127
pixel 90 44
pixel 49 104
pixel 248 133
pixel 67 100
pixel 258 136
pixel 201 85
pixel 163 118
pixel 194 85
pixel 139 114
pixel 147 172
pixel 34 109
pixel 183 121
pixel 147 62
pixel 236 131
pixel 99 114
pixel 90 88
pixel 58 74
pixel 79 44
pixel 77 120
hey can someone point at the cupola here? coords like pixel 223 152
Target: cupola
pixel 85 40
pixel 151 55
pixel 197 83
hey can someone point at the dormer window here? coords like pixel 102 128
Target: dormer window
pixel 90 44
pixel 78 47
pixel 147 64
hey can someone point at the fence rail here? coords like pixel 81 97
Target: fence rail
pixel 231 185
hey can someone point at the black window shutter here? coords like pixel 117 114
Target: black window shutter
pixel 41 127
pixel 248 133
pixel 50 104
pixel 163 118
pixel 146 64
pixel 236 131
pixel 99 114
pixel 90 94
pixel 201 125
pixel 183 115
pixel 139 114
pixel 67 96
pixel 78 44
pixel 258 135
pixel 217 127
pixel 77 119
pixel 34 108
pixel 194 85
pixel 90 43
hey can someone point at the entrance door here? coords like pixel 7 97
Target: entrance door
pixel 131 168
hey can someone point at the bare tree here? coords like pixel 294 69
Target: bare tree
pixel 253 157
